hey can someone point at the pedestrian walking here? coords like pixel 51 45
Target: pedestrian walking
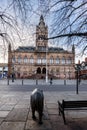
pixel 51 80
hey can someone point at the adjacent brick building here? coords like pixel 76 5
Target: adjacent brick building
pixel 83 69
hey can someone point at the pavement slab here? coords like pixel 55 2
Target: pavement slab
pixel 59 126
pixel 17 114
pixel 12 126
pixel 53 111
pixel 52 105
pixel 1 120
pixel 7 107
pixel 22 106
pixel 44 117
pixel 34 125
pixel 4 114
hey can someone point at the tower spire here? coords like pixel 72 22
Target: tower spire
pixel 73 48
pixel 41 20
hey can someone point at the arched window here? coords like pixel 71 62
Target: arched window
pixel 63 60
pixel 19 59
pixel 44 60
pixel 31 60
pixel 69 60
pixel 13 59
pixel 57 60
pixel 51 60
pixel 25 59
pixel 39 60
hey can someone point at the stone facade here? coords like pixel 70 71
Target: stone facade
pixel 41 61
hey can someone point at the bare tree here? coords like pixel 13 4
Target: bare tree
pixel 70 21
pixel 12 15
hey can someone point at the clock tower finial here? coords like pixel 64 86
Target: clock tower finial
pixel 41 21
pixel 41 18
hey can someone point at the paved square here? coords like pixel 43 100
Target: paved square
pixel 15 111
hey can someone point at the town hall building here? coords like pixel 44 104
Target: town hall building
pixel 41 60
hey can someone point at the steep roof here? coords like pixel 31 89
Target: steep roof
pixel 41 49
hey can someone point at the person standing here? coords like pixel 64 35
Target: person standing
pixel 51 80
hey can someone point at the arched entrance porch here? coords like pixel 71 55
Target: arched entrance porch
pixel 41 72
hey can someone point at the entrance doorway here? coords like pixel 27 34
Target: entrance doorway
pixel 39 70
pixel 44 71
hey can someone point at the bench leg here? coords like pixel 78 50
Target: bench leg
pixel 59 112
pixel 63 117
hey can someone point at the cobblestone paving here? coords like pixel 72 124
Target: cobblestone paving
pixel 15 112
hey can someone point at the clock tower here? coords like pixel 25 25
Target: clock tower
pixel 41 35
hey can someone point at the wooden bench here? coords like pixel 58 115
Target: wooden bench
pixel 71 105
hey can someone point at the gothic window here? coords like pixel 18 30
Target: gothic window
pixel 69 60
pixel 13 59
pixel 51 60
pixel 63 60
pixel 25 59
pixel 39 60
pixel 31 60
pixel 19 59
pixel 57 60
pixel 44 60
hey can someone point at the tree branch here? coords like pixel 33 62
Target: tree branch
pixel 69 35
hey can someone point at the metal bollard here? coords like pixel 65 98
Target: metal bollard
pixel 22 81
pixel 36 82
pixel 64 81
pixel 7 81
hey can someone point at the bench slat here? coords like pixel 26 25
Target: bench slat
pixel 74 104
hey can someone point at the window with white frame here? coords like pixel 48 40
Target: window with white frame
pixel 19 59
pixel 25 59
pixel 44 60
pixel 13 59
pixel 39 60
pixel 57 60
pixel 31 60
pixel 69 60
pixel 51 60
pixel 63 60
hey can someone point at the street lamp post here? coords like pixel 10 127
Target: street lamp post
pixel 77 67
pixel 13 74
pixel 69 73
pixel 46 67
pixel 64 77
pixel 77 82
